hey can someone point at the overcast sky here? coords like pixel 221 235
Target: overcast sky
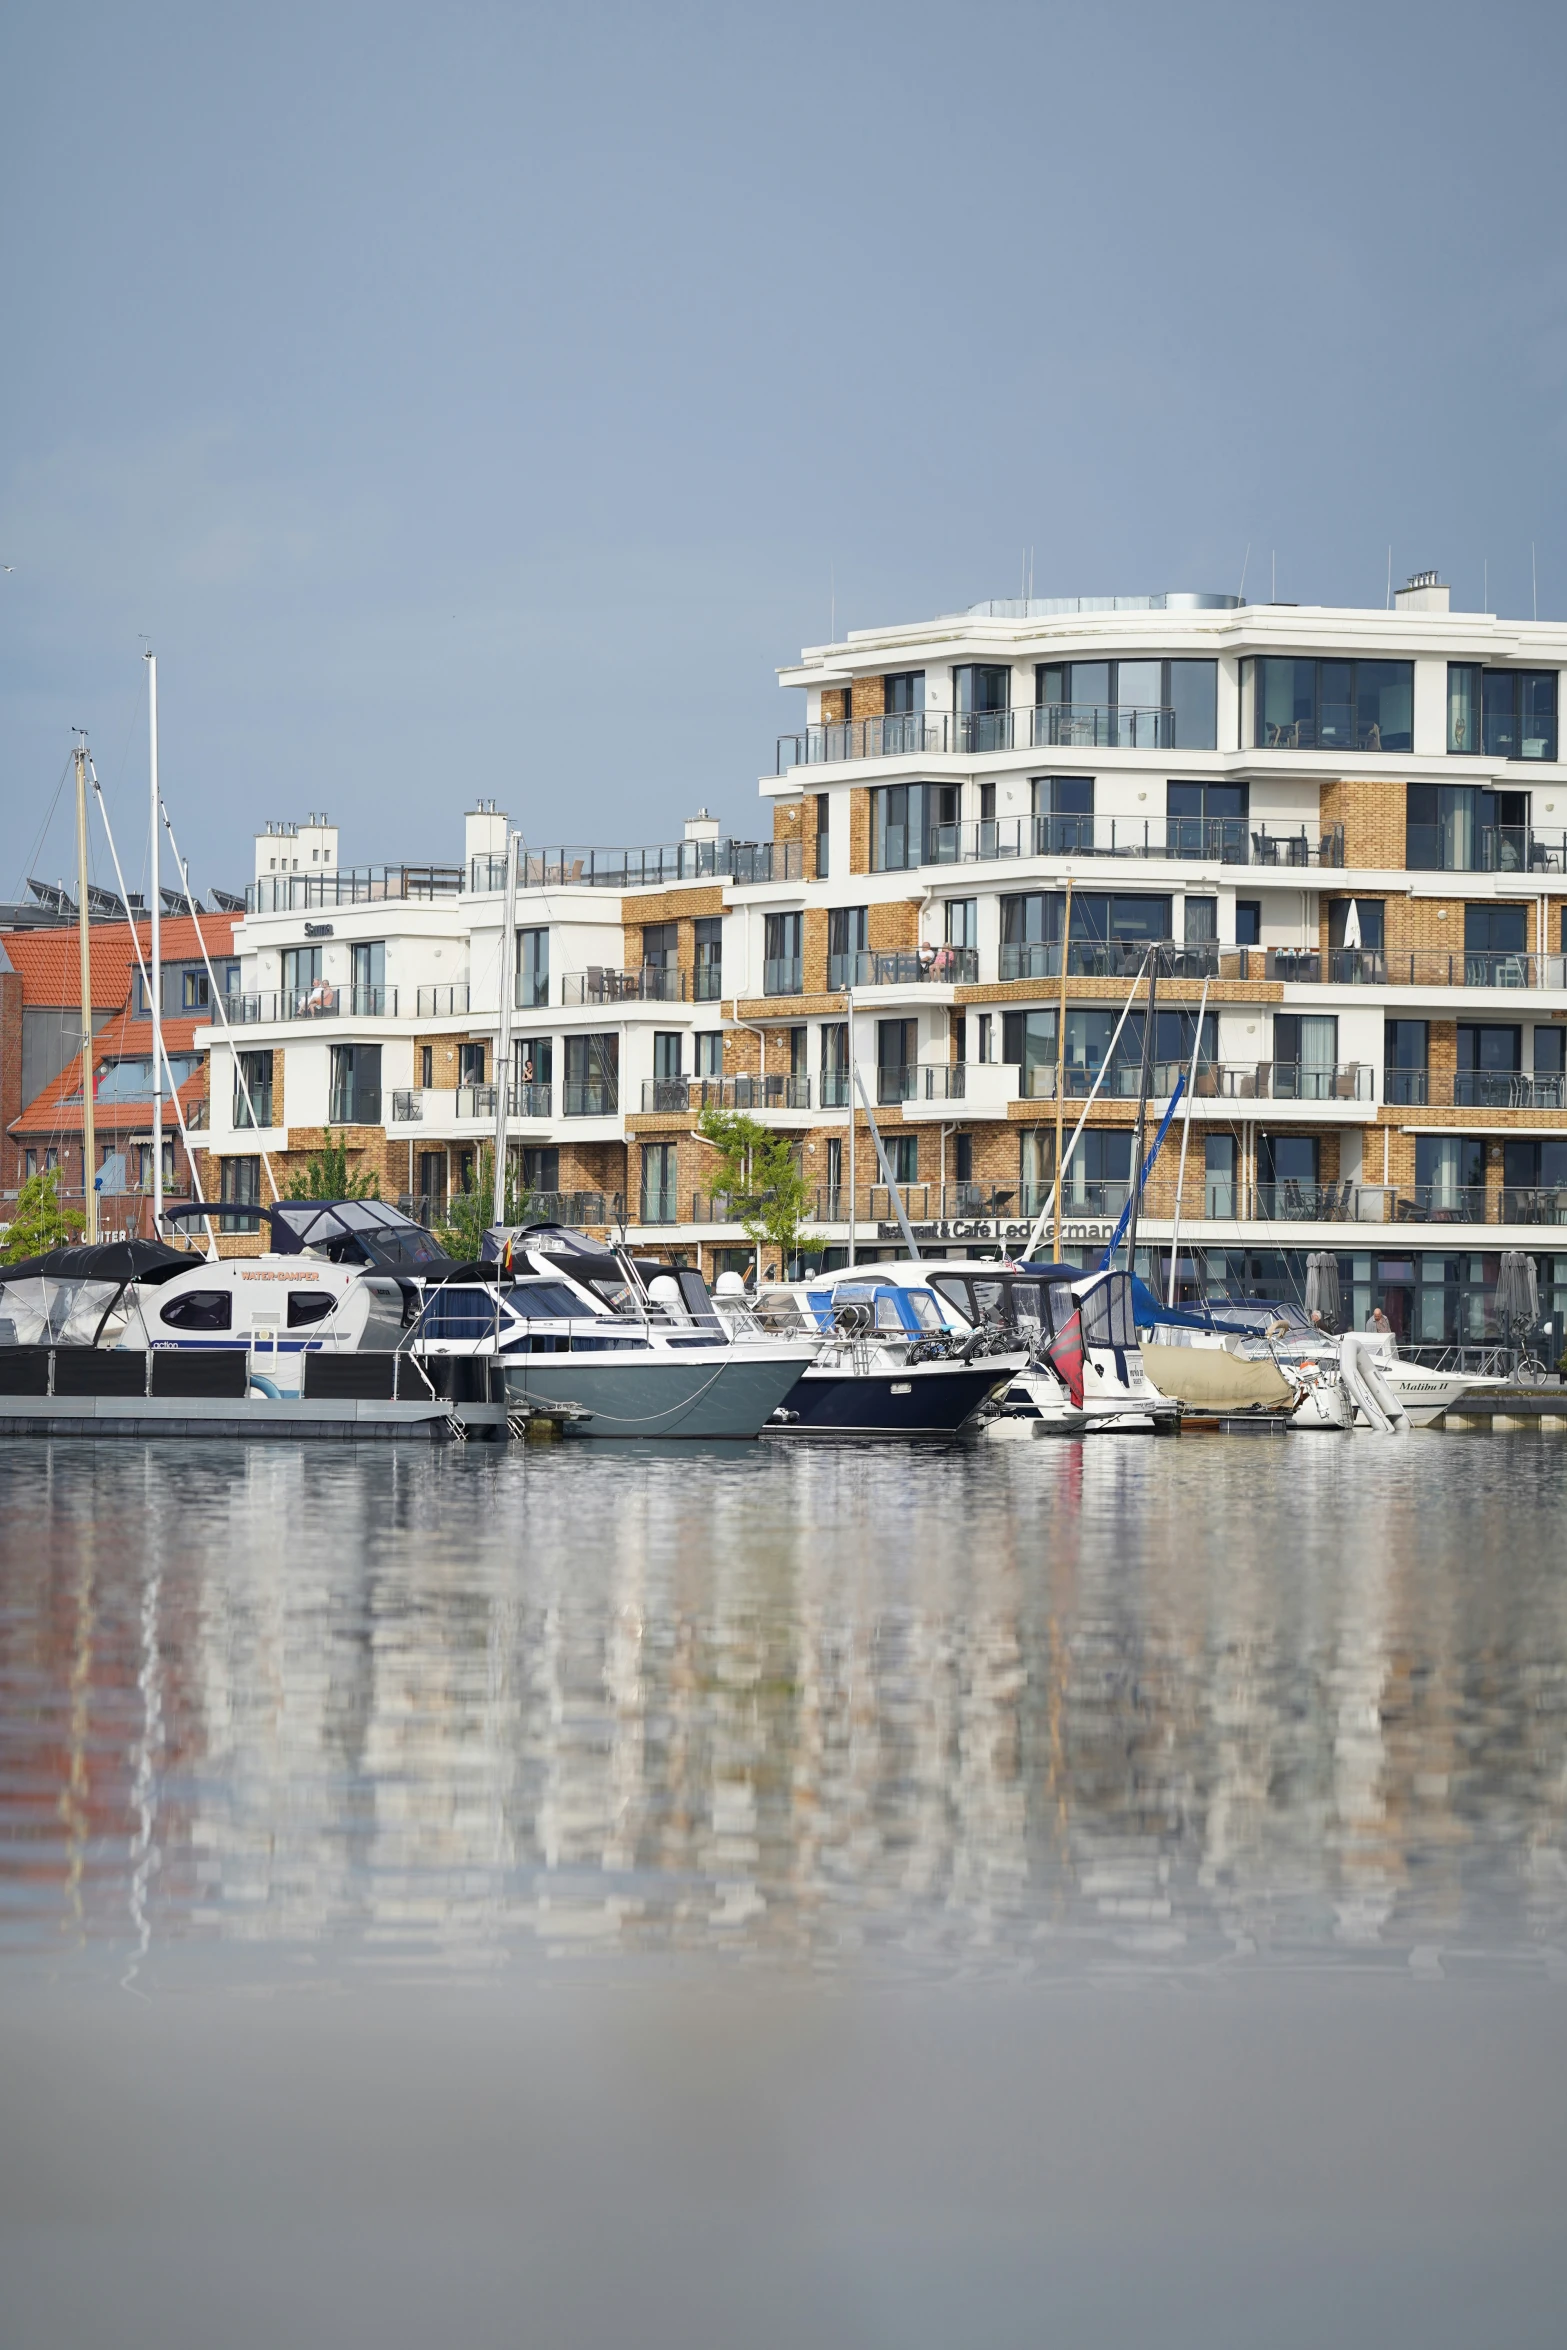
pixel 488 397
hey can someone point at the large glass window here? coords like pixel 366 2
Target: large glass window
pixel 592 1087
pixel 835 1064
pixel 1489 1061
pixel 356 1085
pixel 982 697
pixel 848 936
pixel 903 692
pixel 1141 705
pixel 1405 1055
pixel 708 977
pixel 1030 927
pixel 914 824
pixel 533 968
pixel 1464 828
pixel 1333 705
pixel 1063 815
pixel 660 1181
pixel 368 963
pixel 239 1187
pixel 1450 1176
pixel 1206 820
pixel 1305 1055
pixel 255 1069
pixel 1501 713
pixel 782 972
pixel 661 946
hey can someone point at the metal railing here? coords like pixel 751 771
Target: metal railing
pixel 1342 967
pixel 902 734
pixel 942 966
pixel 1335 728
pixel 684 1096
pixel 365 885
pixel 577 1207
pixel 320 1001
pixel 1218 840
pixel 1533 1204
pixel 595 1097
pixel 739 861
pixel 450 1002
pixel 897 1082
pixel 1277 1081
pixel 943 1081
pixel 833 1089
pixel 530 1100
pixel 652 984
pixel 1043 726
pixel 707 983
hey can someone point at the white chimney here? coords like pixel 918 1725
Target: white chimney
pixel 1425 593
pixel 701 826
pixel 286 847
pixel 484 831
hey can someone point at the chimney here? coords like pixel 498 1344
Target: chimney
pixel 1425 593
pixel 701 826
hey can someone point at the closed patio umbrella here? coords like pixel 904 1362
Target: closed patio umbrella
pixel 1517 1296
pixel 1322 1292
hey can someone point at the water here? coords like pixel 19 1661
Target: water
pixel 1037 1892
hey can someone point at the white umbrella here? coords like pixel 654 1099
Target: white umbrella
pixel 1352 924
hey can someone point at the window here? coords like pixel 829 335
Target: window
pixel 1405 1057
pixel 239 1182
pixel 982 700
pixel 253 1075
pixel 470 1064
pixel 195 991
pixel 782 972
pixel 541 1168
pixel 903 692
pixel 666 1052
pixel 29 1164
pixel 1528 1169
pixel 962 922
pixel 660 946
pixel 709 972
pixel 1495 930
pixel 307 1306
pixel 200 1309
pixel 301 972
pixel 834 1200
pixel 1450 1176
pixel 986 1038
pixel 1550 1058
pixel 1219 1175
pixel 1142 705
pixel 431 1202
pixel 1464 828
pixel 1329 705
pixel 533 968
pixel 799 1052
pixel 427 1064
pixel 835 1064
pixel 903 1154
pixel 709 1045
pixel 1202 921
pixel 897 827
pixel 660 1204
pixel 1356 922
pixel 368 957
pixel 592 1076
pixel 1305 1055
pixel 1490 1057
pixel 1029 1039
pixel 1030 932
pixel 823 835
pixel 1248 922
pixel 1063 815
pixel 1206 820
pixel 356 1085
pixel 1098 1176
pixel 131 1081
pixel 1287 1174
pixel 848 931
pixel 963 1158
pixel 1501 713
pixel 897 1053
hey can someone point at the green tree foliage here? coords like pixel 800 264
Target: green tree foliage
pixel 326 1176
pixel 760 1174
pixel 470 1213
pixel 40 1220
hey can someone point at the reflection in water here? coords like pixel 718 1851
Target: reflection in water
pixel 1015 1710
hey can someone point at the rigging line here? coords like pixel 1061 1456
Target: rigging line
pixel 43 830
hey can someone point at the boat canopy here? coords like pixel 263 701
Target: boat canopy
pixel 354 1232
pixel 106 1260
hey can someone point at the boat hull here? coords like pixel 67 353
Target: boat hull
pixel 923 1406
pixel 679 1396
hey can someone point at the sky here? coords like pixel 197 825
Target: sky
pixel 486 400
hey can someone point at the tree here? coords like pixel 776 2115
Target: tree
pixel 470 1213
pixel 39 1220
pixel 326 1176
pixel 760 1174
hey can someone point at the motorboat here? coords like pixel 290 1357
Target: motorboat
pixel 1080 1367
pixel 891 1359
pixel 637 1346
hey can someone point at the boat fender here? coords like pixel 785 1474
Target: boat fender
pixel 267 1387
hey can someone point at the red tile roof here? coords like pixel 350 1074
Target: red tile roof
pixel 49 961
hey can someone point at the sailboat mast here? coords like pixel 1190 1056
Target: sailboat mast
pixel 84 941
pixel 155 975
pixel 503 1033
pixel 1151 1017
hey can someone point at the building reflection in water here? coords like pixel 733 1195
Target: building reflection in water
pixel 1054 1705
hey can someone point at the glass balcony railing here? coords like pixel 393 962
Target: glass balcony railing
pixel 685 1096
pixel 898 1083
pixel 834 1087
pixel 445 1003
pixel 783 975
pixel 320 1000
pixel 597 1097
pixel 739 861
pixel 938 966
pixel 1217 840
pixel 407 1108
pixel 652 984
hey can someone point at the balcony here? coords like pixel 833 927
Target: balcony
pixel 1073 726
pixel 320 1001
pixel 576 1207
pixel 1213 840
pixel 1273 1081
pixel 707 983
pixel 898 1082
pixel 783 975
pixel 940 966
pixel 740 861
pixel 1115 958
pixel 408 1108
pixel 367 885
pixel 1457 847
pixel 444 1003
pixel 594 1097
pixel 522 1101
pixel 1336 727
pixel 834 1088
pixel 652 984
pixel 687 1096
pixel 1534 1206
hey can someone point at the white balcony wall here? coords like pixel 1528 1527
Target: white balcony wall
pixel 1430 709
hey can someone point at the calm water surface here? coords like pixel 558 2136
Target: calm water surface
pixel 1172 1836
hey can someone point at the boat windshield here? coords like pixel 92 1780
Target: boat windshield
pixel 1107 1312
pixel 548 1301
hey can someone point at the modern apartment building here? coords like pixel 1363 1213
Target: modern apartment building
pixel 1342 833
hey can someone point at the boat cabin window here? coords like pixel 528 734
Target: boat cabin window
pixel 1107 1313
pixel 955 1290
pixel 308 1305
pixel 777 1309
pixel 924 1308
pixel 547 1301
pixel 889 1316
pixel 990 1300
pixel 459 1314
pixel 200 1309
pixel 1028 1309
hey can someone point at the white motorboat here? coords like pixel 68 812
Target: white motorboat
pixel 891 1359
